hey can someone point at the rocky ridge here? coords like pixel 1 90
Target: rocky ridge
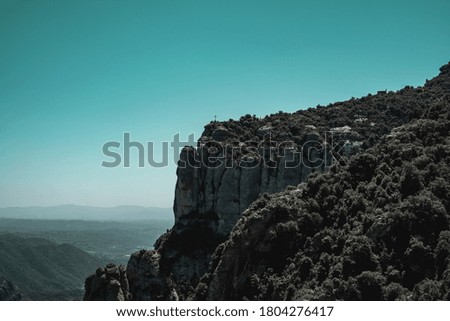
pixel 238 161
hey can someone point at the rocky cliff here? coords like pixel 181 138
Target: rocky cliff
pixel 238 161
pixel 377 230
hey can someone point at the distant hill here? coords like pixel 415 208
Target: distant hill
pixel 112 241
pixel 44 270
pixel 76 212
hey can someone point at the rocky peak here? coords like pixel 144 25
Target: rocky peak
pixel 442 81
pixel 107 284
pixel 445 70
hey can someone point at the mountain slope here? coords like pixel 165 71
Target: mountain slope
pixel 378 229
pixel 375 229
pixel 238 160
pixel 381 143
pixel 112 241
pixel 42 269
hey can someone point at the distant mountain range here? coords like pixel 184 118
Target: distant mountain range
pixel 112 241
pixel 44 270
pixel 77 212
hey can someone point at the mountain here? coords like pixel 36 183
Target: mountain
pixel 376 230
pixel 76 212
pixel 44 270
pixel 347 202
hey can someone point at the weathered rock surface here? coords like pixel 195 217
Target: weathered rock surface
pixel 146 280
pixel 328 239
pixel 8 292
pixel 237 161
pixel 107 284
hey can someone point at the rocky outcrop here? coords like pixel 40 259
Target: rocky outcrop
pixel 9 292
pixel 249 251
pixel 237 161
pixel 217 182
pixel 213 183
pixel 107 284
pixel 377 230
pixel 146 280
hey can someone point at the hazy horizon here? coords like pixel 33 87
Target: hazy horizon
pixel 78 205
pixel 74 75
pixel 87 213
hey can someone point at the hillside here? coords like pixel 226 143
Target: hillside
pixel 111 241
pixel 377 230
pixel 44 270
pixel 344 202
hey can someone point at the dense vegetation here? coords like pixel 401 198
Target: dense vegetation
pixel 375 230
pixel 374 227
pixel 369 117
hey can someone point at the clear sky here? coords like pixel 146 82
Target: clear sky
pixel 76 74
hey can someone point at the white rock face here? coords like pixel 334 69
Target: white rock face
pixel 343 129
pixel 224 192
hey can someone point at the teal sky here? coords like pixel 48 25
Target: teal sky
pixel 76 74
